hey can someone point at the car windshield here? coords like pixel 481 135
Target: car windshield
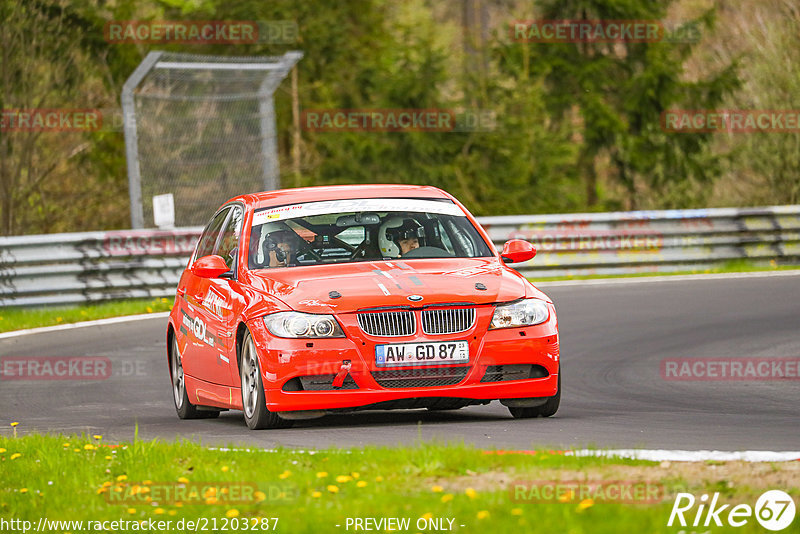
pixel 344 231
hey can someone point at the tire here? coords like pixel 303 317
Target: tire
pixel 545 410
pixel 254 404
pixel 185 409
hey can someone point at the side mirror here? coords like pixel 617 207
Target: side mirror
pixel 517 250
pixel 209 267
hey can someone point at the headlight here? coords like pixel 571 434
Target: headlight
pixel 306 325
pixel 522 313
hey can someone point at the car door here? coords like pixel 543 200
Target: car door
pixel 220 299
pixel 199 325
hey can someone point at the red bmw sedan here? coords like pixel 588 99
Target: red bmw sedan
pixel 302 302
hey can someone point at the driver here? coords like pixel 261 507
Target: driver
pixel 280 248
pixel 399 236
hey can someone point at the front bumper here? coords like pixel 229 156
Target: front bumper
pixel 285 359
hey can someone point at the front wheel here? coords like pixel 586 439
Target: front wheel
pixel 254 403
pixel 185 409
pixel 545 410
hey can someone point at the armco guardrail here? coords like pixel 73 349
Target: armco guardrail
pixel 84 267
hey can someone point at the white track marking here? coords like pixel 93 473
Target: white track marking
pixel 667 278
pixel 97 322
pixel 653 455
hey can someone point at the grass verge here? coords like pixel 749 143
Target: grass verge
pixel 733 266
pixel 81 479
pixel 20 318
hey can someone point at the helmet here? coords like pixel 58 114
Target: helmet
pixel 396 229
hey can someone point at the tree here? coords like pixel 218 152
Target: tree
pixel 619 90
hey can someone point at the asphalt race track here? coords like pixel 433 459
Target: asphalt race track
pixel 613 338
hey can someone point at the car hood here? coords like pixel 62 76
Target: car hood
pixel 390 283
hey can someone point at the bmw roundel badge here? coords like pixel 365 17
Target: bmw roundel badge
pixel 414 298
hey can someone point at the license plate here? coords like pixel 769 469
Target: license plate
pixel 421 353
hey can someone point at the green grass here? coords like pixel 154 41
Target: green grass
pixel 19 318
pixel 71 478
pixel 733 266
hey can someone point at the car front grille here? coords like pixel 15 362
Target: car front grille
pixel 420 378
pixel 447 320
pixel 403 323
pixel 388 324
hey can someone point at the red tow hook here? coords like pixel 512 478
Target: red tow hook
pixel 338 380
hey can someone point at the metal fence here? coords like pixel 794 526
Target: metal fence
pixel 84 267
pixel 199 126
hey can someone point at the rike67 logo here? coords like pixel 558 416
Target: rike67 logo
pixel 774 510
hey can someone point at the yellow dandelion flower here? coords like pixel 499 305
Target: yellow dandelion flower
pixel 107 483
pixel 88 447
pixel 333 489
pixel 316 494
pixel 131 511
pixel 122 478
pixel 2 450
pixel 15 423
pixel 183 480
pixel 286 474
pixel 516 511
pixel 76 450
pixel 211 500
pixel 322 474
pixel 361 483
pixel 379 479
pixel 179 504
pixel 427 515
pixel 97 437
pixel 447 497
pixel 210 492
pixel 584 504
pixel 341 479
pixel 437 489
pixel 173 512
pixel 101 490
pixel 233 512
pixel 566 497
pixel 471 493
pixel 260 496
pixel 225 468
pixel 158 511
pixel 149 309
pixel 65 444
pixel 109 458
pixel 147 482
pixel 483 514
pixel 15 455
pixel 23 490
pixel 355 474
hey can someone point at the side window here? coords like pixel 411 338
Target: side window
pixel 229 244
pixel 209 238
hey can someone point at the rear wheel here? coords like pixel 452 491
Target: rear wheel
pixel 254 403
pixel 185 409
pixel 545 410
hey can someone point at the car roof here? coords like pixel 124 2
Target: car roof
pixel 298 195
